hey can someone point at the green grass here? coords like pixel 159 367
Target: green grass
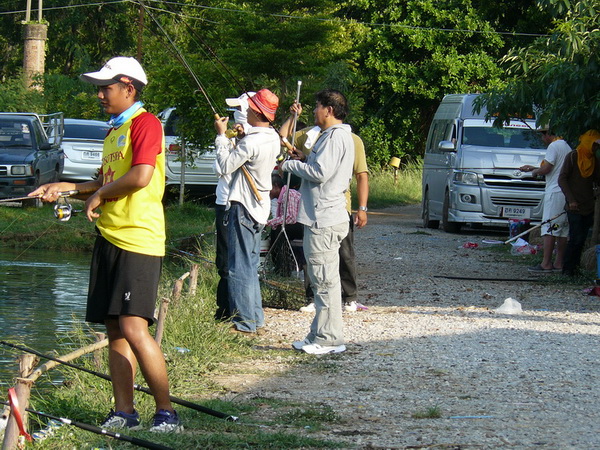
pixel 433 412
pixel 384 191
pixel 209 349
pixel 189 325
pixel 37 228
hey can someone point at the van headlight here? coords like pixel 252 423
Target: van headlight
pixel 466 178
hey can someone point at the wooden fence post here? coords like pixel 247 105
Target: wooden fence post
pixel 193 279
pixel 23 391
pixel 98 353
pixel 178 287
pixel 160 325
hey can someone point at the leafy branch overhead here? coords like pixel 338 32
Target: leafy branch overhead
pixel 557 76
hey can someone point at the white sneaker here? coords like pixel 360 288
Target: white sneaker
pixel 316 349
pixel 351 307
pixel 310 308
pixel 298 345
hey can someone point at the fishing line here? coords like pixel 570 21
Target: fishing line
pixel 211 52
pixel 137 387
pixel 180 57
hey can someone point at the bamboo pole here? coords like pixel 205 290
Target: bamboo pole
pixel 66 358
pixel 23 391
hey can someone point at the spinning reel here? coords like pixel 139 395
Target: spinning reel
pixel 64 212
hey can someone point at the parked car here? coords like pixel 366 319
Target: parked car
pixel 198 171
pixel 30 152
pixel 82 143
pixel 471 169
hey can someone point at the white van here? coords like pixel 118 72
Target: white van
pixel 471 169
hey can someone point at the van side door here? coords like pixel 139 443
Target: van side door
pixel 437 165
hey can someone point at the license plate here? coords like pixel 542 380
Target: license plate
pixel 95 156
pixel 515 212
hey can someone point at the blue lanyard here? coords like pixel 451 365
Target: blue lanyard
pixel 117 121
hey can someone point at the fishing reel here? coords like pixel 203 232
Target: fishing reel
pixel 64 212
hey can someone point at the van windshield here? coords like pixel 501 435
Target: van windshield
pixel 481 134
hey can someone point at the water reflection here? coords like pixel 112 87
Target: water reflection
pixel 42 297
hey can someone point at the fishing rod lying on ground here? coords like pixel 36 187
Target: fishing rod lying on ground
pixel 514 238
pixel 137 387
pixel 12 401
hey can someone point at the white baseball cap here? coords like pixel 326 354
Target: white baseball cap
pixel 120 69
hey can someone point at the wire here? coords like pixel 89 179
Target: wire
pixel 51 8
pixel 291 16
pixel 344 20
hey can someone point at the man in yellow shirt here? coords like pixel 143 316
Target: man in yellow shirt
pixel 127 258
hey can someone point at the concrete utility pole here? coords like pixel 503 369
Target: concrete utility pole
pixel 34 49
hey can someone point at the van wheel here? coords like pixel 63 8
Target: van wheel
pixel 427 222
pixel 447 226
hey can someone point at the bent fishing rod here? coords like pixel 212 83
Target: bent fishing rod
pixel 13 402
pixel 137 387
pixel 19 199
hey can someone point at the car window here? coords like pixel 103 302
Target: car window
pixel 171 125
pixel 78 131
pixel 15 134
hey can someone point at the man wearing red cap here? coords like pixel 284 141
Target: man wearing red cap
pixel 127 258
pixel 250 163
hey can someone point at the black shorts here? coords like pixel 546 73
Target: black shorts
pixel 121 283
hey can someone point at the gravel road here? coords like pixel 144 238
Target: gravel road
pixel 527 380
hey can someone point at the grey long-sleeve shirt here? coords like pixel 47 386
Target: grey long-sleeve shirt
pixel 325 177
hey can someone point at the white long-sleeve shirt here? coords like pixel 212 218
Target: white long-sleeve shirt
pixel 258 151
pixel 325 177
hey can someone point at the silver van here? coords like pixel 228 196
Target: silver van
pixel 471 168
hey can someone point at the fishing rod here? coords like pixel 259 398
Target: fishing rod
pixel 12 401
pixel 137 387
pixel 19 199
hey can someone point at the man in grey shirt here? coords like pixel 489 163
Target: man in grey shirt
pixel 325 175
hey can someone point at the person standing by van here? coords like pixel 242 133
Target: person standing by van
pixel 555 231
pixel 577 178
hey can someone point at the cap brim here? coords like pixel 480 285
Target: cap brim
pixel 94 78
pixel 233 102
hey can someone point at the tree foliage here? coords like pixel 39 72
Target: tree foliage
pixel 394 59
pixel 557 77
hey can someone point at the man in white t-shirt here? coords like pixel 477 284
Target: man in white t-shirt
pixel 556 231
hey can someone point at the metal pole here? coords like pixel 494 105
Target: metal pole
pixel 182 157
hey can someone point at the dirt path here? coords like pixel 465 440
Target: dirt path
pixel 520 381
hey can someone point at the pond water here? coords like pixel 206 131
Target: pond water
pixel 42 300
